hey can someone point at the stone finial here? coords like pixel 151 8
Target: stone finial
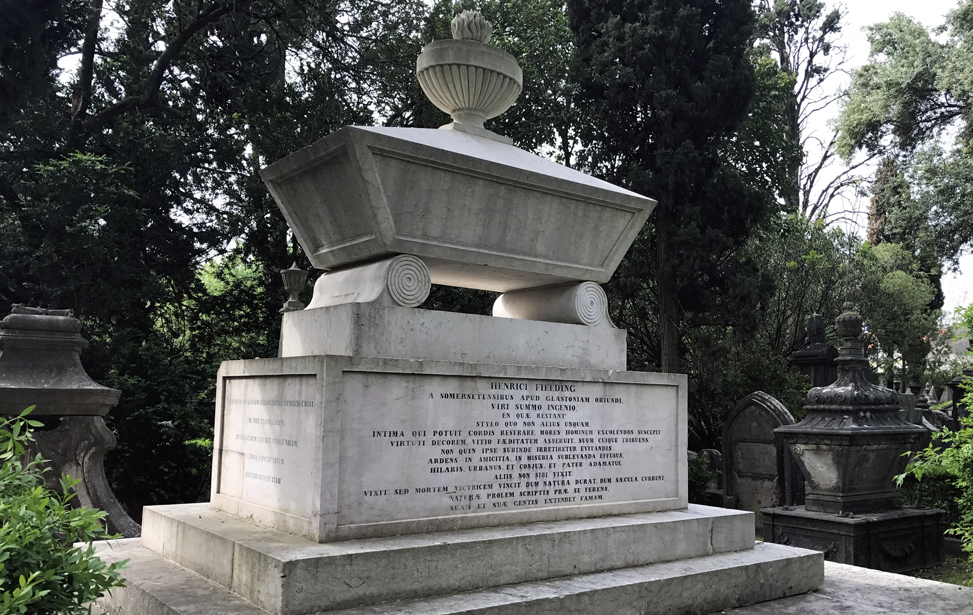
pixel 849 324
pixel 469 79
pixel 471 25
pixel 294 280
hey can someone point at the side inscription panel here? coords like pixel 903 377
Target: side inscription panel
pixel 267 441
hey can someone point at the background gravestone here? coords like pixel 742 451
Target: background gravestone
pixel 816 357
pixel 759 470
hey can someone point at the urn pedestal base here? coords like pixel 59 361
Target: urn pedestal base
pixel 895 541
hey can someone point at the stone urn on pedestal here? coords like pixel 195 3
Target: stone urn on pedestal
pixel 40 366
pixel 849 447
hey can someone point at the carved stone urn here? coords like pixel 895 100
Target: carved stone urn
pixel 467 78
pixel 40 366
pixel 851 443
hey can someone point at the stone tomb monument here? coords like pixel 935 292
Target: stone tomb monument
pixel 40 366
pixel 395 459
pixel 759 470
pixel 849 448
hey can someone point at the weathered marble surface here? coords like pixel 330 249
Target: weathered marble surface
pixel 578 304
pixel 287 575
pixel 760 471
pixel 333 448
pixel 481 214
pixel 850 590
pixel 160 587
pixel 366 329
pixel 400 280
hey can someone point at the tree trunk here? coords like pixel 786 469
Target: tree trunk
pixel 665 283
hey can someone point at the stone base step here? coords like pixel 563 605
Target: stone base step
pixel 287 575
pixel 159 587
pixel 156 586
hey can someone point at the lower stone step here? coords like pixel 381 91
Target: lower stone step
pixel 287 575
pixel 157 586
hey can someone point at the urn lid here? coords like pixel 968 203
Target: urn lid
pixel 468 78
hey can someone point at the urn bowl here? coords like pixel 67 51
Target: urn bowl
pixel 469 80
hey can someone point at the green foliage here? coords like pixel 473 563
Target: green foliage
pixel 894 296
pixel 663 86
pixel 700 476
pixel 911 98
pixel 129 184
pixel 808 263
pixel 951 464
pixel 41 572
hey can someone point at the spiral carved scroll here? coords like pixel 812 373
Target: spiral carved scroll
pixel 408 280
pixel 590 303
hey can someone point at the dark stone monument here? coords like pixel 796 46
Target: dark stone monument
pixel 849 448
pixel 816 357
pixel 714 488
pixel 40 365
pixel 957 409
pixel 759 471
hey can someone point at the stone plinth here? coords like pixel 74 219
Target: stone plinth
pixel 686 561
pixel 895 541
pixel 40 365
pixel 362 329
pixel 334 448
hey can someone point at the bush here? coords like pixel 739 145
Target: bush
pixel 951 464
pixel 41 571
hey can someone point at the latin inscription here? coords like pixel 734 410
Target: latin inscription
pixel 449 445
pixel 265 456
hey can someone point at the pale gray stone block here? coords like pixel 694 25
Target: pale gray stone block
pixel 159 587
pixel 287 576
pixel 312 446
pixel 362 329
pixel 460 202
pixel 851 590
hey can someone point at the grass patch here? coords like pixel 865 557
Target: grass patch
pixel 956 570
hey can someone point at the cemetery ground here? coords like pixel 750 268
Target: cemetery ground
pixel 957 570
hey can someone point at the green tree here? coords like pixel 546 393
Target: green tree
pixel 894 295
pixel 908 102
pixel 803 36
pixel 663 85
pixel 120 178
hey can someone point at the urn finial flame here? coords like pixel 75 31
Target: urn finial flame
pixel 471 25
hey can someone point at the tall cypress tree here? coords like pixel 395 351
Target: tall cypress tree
pixel 665 83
